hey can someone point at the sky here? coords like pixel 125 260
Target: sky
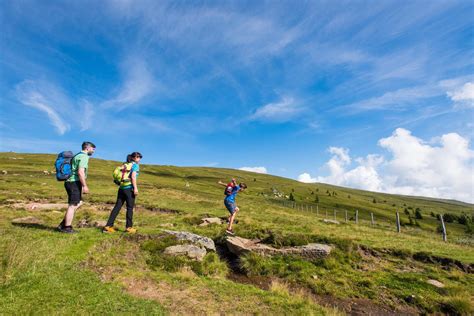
pixel 376 95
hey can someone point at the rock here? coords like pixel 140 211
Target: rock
pixel 330 221
pixel 192 251
pixel 29 220
pixel 46 172
pixel 436 283
pixel 205 242
pixel 99 223
pixel 40 206
pixel 83 223
pixel 239 245
pixel 4 172
pixel 315 277
pixel 167 225
pixel 211 220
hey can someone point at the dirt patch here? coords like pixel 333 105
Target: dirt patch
pixel 446 263
pixel 358 306
pixel 163 210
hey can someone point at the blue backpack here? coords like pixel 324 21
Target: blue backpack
pixel 63 165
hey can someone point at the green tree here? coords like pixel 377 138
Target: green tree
pixel 418 213
pixel 316 199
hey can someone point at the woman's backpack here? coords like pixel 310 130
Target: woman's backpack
pixel 122 174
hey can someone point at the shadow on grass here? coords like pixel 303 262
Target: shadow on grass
pixel 34 225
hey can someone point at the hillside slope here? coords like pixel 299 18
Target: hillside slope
pixel 372 266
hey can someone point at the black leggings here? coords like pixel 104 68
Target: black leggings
pixel 127 196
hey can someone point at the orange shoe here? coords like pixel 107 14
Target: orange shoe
pixel 108 229
pixel 130 230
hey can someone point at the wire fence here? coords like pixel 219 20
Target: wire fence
pixel 338 215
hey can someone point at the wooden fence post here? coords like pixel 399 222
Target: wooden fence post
pixel 326 214
pixel 346 214
pixel 372 218
pixel 398 223
pixel 335 214
pixel 317 209
pixel 445 237
pixel 357 217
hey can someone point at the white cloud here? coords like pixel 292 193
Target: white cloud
pixel 306 178
pixel 254 169
pixel 86 115
pixel 29 94
pixel 442 168
pixel 138 83
pixel 464 94
pixel 281 111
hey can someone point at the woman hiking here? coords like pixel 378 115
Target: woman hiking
pixel 127 192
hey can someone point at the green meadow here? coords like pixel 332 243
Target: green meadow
pixel 372 269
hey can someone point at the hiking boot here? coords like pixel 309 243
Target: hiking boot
pixel 130 230
pixel 230 232
pixel 68 230
pixel 60 226
pixel 108 229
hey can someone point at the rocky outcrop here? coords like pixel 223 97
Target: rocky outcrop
pixel 239 246
pixel 192 251
pixel 211 220
pixel 202 241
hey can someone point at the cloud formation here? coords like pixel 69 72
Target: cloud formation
pixel 464 94
pixel 441 168
pixel 254 169
pixel 281 111
pixel 29 93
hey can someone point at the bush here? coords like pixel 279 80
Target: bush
pixel 418 213
pixel 255 264
pixel 449 218
pixel 463 219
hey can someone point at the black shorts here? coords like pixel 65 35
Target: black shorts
pixel 74 192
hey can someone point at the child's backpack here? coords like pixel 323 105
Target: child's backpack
pixel 63 165
pixel 229 188
pixel 123 173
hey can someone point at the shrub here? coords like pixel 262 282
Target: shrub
pixel 457 306
pixel 374 201
pixel 449 218
pixel 418 213
pixel 291 198
pixel 254 264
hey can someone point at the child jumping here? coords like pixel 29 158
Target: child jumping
pixel 231 191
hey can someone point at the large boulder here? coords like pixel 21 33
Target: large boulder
pixel 239 246
pixel 192 251
pixel 202 241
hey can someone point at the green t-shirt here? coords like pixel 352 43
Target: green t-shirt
pixel 81 160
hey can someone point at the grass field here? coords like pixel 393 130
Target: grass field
pixel 373 266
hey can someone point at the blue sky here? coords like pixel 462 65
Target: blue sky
pixel 306 90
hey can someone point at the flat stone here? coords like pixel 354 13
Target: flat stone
pixel 41 206
pixel 238 246
pixel 211 220
pixel 29 220
pixel 436 283
pixel 191 251
pixel 205 242
pixel 167 225
pixel 99 224
pixel 330 221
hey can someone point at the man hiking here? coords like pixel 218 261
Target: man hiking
pixel 229 202
pixel 76 185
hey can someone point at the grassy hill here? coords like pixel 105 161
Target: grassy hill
pixel 373 269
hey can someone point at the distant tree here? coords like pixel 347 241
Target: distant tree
pixel 410 208
pixel 291 198
pixel 254 179
pixel 312 192
pixel 406 211
pixel 292 190
pixel 327 191
pixel 418 213
pixel 433 215
pixel 316 199
pixel 317 189
pixel 394 205
pixel 374 201
pixel 348 196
